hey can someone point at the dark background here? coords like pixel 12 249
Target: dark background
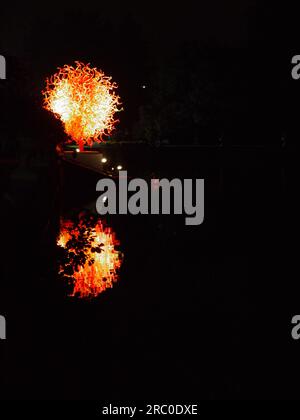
pixel 199 312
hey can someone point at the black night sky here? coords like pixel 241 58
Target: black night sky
pixel 199 313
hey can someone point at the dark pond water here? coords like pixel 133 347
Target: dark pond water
pixel 188 316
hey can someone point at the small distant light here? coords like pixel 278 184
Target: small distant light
pixel 103 160
pixel 144 86
pixel 119 167
pixel 112 169
pixel 77 150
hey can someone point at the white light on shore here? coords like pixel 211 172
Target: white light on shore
pixel 103 160
pixel 119 167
